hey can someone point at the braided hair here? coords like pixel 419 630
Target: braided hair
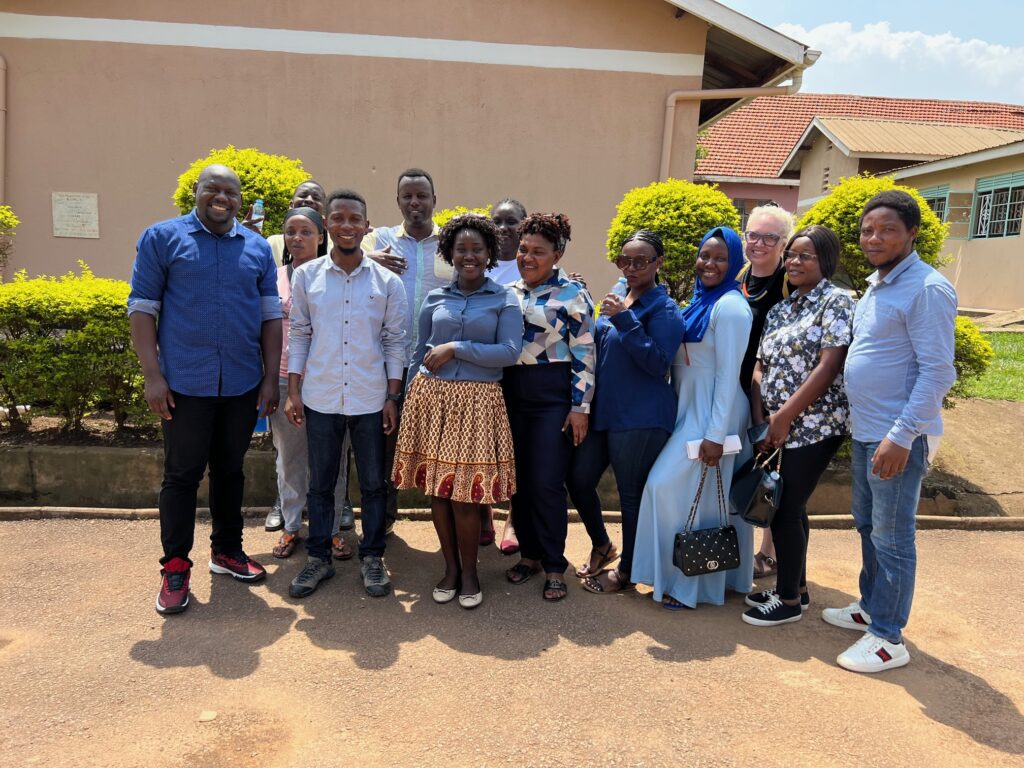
pixel 650 237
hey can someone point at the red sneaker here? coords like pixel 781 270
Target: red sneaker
pixel 238 565
pixel 173 595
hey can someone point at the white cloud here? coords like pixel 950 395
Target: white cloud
pixel 900 63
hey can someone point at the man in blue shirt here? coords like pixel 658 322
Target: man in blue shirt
pixel 206 324
pixel 898 370
pixel 410 251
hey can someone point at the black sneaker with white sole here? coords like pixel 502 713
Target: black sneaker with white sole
pixel 773 612
pixel 755 599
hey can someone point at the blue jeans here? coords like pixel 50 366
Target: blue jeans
pixel 885 513
pixel 631 454
pixel 325 433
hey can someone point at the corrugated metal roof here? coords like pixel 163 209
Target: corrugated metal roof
pixel 863 136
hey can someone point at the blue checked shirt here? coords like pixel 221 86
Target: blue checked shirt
pixel 211 296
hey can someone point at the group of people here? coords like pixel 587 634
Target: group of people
pixel 465 361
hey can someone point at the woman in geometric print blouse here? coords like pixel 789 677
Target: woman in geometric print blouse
pixel 548 393
pixel 798 390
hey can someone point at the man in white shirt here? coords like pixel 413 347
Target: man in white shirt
pixel 347 334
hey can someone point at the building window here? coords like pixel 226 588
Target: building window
pixel 938 205
pixel 997 212
pixel 825 179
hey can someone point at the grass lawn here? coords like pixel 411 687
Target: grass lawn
pixel 1004 379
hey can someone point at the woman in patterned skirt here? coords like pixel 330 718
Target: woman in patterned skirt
pixel 454 442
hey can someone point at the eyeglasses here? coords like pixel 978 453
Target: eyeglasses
pixel 769 240
pixel 803 258
pixel 635 264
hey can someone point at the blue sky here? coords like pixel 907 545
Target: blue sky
pixel 941 49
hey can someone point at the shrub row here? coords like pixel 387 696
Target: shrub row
pixel 65 343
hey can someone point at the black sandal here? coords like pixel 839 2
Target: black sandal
pixel 557 586
pixel 593 583
pixel 522 573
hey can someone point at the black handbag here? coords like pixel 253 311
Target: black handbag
pixel 756 490
pixel 706 550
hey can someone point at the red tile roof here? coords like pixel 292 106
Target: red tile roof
pixel 755 140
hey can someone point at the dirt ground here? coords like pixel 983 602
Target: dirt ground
pixel 980 458
pixel 90 675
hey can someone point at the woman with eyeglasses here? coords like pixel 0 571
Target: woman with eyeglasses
pixel 712 405
pixel 798 390
pixel 764 284
pixel 634 410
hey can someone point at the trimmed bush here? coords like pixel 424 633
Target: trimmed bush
pixel 840 211
pixel 65 343
pixel 682 213
pixel 445 215
pixel 272 178
pixel 8 223
pixel 972 357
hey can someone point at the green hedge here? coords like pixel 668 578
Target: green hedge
pixel 682 213
pixel 272 178
pixel 65 343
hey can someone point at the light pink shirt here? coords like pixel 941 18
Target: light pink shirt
pixel 284 290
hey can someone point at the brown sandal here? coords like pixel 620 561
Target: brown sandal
pixel 340 550
pixel 764 565
pixel 608 556
pixel 286 545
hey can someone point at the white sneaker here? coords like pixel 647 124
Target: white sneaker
pixel 850 617
pixel 873 654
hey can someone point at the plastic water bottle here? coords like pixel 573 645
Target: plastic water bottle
pixel 621 288
pixel 258 214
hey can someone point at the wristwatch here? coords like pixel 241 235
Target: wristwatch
pixel 394 398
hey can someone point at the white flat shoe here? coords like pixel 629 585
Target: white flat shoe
pixel 443 596
pixel 471 601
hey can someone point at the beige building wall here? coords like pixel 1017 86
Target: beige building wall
pixel 821 156
pixel 123 120
pixel 987 273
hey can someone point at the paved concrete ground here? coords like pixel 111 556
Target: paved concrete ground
pixel 90 675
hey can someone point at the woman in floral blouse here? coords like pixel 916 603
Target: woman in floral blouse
pixel 798 390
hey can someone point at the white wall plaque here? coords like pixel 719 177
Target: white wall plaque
pixel 76 214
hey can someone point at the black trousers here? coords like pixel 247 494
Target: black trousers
pixel 801 470
pixel 538 398
pixel 205 431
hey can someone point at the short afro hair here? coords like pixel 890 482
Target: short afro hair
pixel 902 203
pixel 553 227
pixel 417 173
pixel 344 194
pixel 482 225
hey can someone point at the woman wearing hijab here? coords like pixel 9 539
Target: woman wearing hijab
pixel 712 405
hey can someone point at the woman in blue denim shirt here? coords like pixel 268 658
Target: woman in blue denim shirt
pixel 454 442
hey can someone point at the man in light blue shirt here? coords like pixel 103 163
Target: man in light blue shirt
pixel 410 251
pixel 898 370
pixel 346 354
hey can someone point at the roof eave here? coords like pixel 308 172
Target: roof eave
pixel 746 29
pixel 959 161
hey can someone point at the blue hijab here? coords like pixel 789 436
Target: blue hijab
pixel 697 313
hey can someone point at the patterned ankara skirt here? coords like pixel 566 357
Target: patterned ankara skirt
pixel 454 441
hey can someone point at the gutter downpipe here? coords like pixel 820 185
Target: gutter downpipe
pixel 720 93
pixel 3 129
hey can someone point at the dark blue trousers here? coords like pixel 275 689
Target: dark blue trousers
pixel 538 398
